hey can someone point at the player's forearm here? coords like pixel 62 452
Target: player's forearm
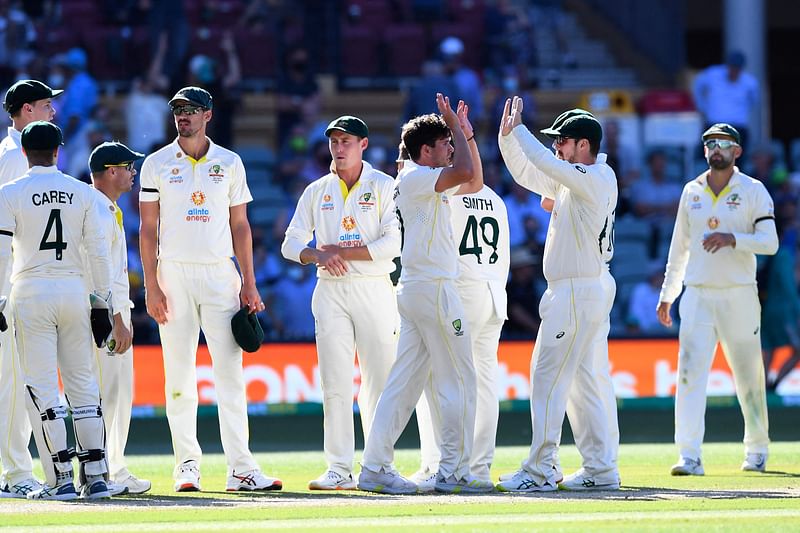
pixel 148 251
pixel 521 168
pixel 243 249
pixel 764 241
pixel 476 183
pixel 356 253
pixel 388 246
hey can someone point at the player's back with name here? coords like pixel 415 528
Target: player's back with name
pixel 49 213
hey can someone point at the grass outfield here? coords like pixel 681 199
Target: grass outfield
pixel 725 499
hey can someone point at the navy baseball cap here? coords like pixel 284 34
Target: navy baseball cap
pixel 26 92
pixel 111 154
pixel 193 95
pixel 247 331
pixel 41 135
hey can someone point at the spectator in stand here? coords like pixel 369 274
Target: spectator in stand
pixel 422 96
pixel 623 162
pixel 527 221
pixel 168 24
pixel 146 116
pixel 644 299
pixel 17 40
pixel 205 72
pixel 81 94
pixel 467 81
pixel 298 94
pixel 656 198
pixel 91 133
pixel 727 93
pixel 778 293
pixel 526 269
pixel 319 162
pixel 289 304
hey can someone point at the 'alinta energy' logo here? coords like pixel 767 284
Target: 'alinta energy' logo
pixel 198 198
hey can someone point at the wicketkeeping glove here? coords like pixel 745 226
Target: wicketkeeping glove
pixel 102 318
pixel 3 323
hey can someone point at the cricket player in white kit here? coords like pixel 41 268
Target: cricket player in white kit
pixel 351 213
pixel 480 228
pixel 193 205
pixel 434 342
pixel 112 170
pixel 26 101
pixel 480 224
pixel 724 219
pixel 52 219
pixel 575 307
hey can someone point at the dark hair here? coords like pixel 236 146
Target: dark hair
pixel 594 147
pixel 43 158
pixel 423 130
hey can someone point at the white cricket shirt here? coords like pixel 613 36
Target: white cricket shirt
pixel 480 228
pixel 110 219
pixel 363 216
pixel 429 249
pixel 585 199
pixel 53 218
pixel 194 198
pixel 13 162
pixel 744 208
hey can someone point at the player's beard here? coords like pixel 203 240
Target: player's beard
pixel 720 161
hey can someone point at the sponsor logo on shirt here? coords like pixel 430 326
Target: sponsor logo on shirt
pixel 348 223
pixel 713 222
pixel 198 198
pixel 350 240
pixel 733 201
pixel 696 198
pixel 580 169
pixel 196 214
pixel 445 199
pixel 175 178
pixel 457 327
pixel 327 203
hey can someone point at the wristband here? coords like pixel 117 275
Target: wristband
pixel 473 136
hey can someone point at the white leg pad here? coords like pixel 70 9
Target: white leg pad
pixel 50 435
pixel 90 439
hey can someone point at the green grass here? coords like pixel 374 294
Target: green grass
pixel 651 500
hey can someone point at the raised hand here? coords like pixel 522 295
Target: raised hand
pixel 462 111
pixel 449 116
pixel 512 115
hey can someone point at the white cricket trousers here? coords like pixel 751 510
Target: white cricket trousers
pixel 115 378
pixel 485 327
pixel 203 296
pixel 573 313
pixel 15 428
pixel 354 313
pixel 592 403
pixel 435 346
pixel 731 316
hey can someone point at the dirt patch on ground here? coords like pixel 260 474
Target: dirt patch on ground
pixel 303 499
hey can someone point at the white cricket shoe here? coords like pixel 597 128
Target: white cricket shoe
pixel 97 489
pixel 755 462
pixel 64 492
pixel 133 484
pixel 522 481
pixel 331 480
pixel 252 480
pixel 425 480
pixel 188 478
pixel 582 480
pixel 385 482
pixel 20 489
pixel 465 485
pixel 687 466
pixel 506 477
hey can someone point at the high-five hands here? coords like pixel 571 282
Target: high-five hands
pixel 462 111
pixel 512 115
pixel 449 116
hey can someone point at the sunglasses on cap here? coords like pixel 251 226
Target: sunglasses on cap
pixel 186 109
pixel 722 144
pixel 127 166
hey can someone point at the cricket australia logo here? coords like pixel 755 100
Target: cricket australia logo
pixel 216 173
pixel 365 202
pixel 457 327
pixel 733 201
